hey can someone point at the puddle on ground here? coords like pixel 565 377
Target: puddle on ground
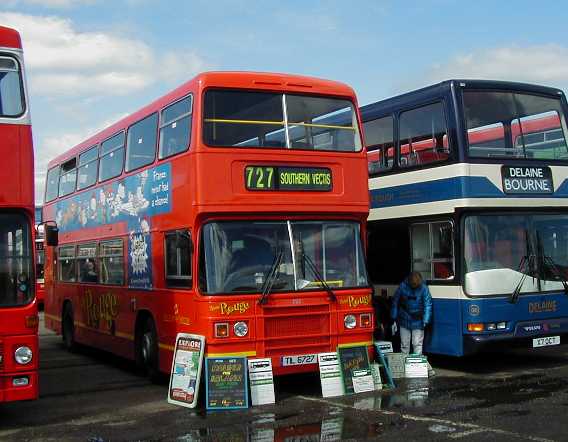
pixel 513 391
pixel 328 429
pixel 409 393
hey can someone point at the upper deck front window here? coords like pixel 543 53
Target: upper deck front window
pixel 271 120
pixel 515 125
pixel 11 91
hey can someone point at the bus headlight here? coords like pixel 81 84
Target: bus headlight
pixel 23 355
pixel 350 321
pixel 241 329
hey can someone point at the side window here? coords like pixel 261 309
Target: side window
pixel 86 263
pixel 11 90
pixel 68 177
pixel 112 157
pixel 141 143
pixel 423 136
pixel 175 128
pixel 433 250
pixel 87 172
pixel 380 144
pixel 178 258
pixel 66 261
pixel 52 184
pixel 112 262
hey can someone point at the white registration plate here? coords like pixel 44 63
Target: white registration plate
pixel 545 342
pixel 298 360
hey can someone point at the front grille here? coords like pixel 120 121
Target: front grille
pixel 296 329
pixel 296 326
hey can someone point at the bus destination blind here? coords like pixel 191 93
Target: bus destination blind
pixel 288 178
pixel 527 180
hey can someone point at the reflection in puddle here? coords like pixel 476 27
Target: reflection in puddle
pixel 328 430
pixel 409 393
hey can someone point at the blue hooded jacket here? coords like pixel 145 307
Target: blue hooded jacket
pixel 412 309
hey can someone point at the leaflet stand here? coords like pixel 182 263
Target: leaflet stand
pixel 385 367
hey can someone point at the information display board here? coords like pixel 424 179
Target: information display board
pixel 330 375
pixel 261 381
pixel 352 359
pixel 226 383
pixel 186 370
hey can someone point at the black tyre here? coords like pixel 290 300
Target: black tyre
pixel 68 329
pixel 147 350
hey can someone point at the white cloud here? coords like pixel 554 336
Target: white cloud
pixel 542 64
pixel 65 61
pixel 68 68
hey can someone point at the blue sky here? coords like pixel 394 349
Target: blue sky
pixel 91 62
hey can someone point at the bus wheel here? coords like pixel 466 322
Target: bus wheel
pixel 147 351
pixel 68 326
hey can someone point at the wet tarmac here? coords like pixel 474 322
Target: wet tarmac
pixel 94 396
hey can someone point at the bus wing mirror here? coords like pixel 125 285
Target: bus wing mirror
pixel 51 235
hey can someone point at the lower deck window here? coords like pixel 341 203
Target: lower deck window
pixel 178 258
pixel 111 262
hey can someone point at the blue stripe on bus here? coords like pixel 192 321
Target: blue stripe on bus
pixel 447 189
pixel 531 316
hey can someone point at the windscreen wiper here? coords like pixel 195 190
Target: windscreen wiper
pixel 272 277
pixel 318 276
pixel 525 266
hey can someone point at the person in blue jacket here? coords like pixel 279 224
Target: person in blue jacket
pixel 412 311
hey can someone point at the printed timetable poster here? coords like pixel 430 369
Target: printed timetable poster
pixel 186 370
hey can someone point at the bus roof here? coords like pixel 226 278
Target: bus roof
pixel 235 79
pixel 10 38
pixel 388 105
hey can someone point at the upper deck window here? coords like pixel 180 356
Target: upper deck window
pixel 68 177
pixel 141 143
pixel 52 184
pixel 88 162
pixel 112 157
pixel 11 90
pixel 264 119
pixel 379 137
pixel 423 137
pixel 515 125
pixel 175 128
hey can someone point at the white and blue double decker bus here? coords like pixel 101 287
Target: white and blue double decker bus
pixel 469 186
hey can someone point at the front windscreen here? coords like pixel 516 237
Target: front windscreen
pixel 11 91
pixel 500 249
pixel 291 255
pixel 15 260
pixel 515 125
pixel 272 120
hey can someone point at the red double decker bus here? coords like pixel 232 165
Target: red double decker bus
pixel 18 309
pixel 233 207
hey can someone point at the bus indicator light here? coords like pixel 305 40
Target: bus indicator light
pixel 365 320
pixel 222 330
pixel 475 327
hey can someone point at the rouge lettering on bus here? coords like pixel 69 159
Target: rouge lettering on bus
pixel 527 180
